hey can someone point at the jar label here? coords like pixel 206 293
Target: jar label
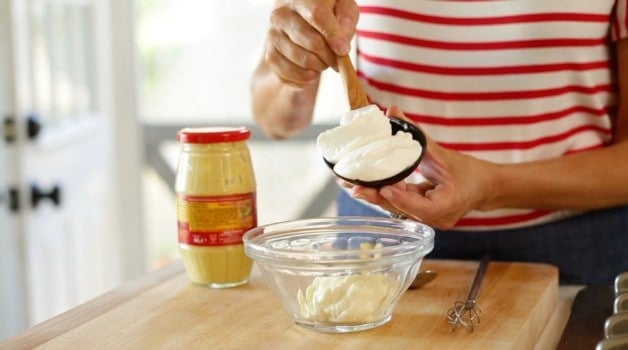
pixel 215 220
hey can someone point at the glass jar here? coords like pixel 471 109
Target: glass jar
pixel 216 204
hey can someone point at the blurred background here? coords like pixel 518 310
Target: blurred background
pixel 92 93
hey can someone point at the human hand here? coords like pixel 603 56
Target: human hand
pixel 455 184
pixel 306 36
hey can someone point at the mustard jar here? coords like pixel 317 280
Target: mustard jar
pixel 216 204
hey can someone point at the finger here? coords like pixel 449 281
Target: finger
pixel 372 196
pixel 395 111
pixel 432 170
pixel 364 192
pixel 287 71
pixel 296 54
pixel 368 194
pixel 407 202
pixel 421 188
pixel 347 12
pixel 346 184
pixel 320 15
pixel 299 41
pixel 432 209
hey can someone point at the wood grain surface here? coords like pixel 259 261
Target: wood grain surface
pixel 163 310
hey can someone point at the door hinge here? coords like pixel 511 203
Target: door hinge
pixel 12 197
pixel 37 195
pixel 10 129
pixel 33 126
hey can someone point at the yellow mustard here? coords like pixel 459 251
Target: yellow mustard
pixel 216 204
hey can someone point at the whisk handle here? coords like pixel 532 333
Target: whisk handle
pixel 477 280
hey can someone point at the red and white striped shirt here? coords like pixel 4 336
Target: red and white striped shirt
pixel 507 81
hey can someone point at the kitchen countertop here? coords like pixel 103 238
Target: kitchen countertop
pixel 522 308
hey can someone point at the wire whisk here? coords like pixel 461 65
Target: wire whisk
pixel 466 313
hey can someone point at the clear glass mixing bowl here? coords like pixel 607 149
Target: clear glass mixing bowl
pixel 341 274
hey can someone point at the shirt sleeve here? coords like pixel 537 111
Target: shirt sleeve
pixel 619 20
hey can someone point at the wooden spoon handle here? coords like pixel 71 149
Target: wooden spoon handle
pixel 355 92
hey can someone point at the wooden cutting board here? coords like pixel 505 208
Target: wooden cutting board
pixel 516 301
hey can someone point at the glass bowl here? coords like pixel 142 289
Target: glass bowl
pixel 342 274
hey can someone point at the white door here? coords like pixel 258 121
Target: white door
pixel 61 245
pixel 12 300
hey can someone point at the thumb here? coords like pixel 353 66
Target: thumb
pixel 347 12
pixel 329 25
pixel 395 111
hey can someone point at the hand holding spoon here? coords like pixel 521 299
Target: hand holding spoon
pixel 358 99
pixel 355 92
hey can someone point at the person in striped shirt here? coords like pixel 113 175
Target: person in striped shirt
pixel 525 104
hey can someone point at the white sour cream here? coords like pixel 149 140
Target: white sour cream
pixel 363 147
pixel 347 299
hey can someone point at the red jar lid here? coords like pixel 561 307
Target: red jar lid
pixel 213 134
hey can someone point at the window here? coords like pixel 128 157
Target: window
pixel 196 59
pixel 64 84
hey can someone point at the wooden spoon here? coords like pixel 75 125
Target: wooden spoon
pixel 355 92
